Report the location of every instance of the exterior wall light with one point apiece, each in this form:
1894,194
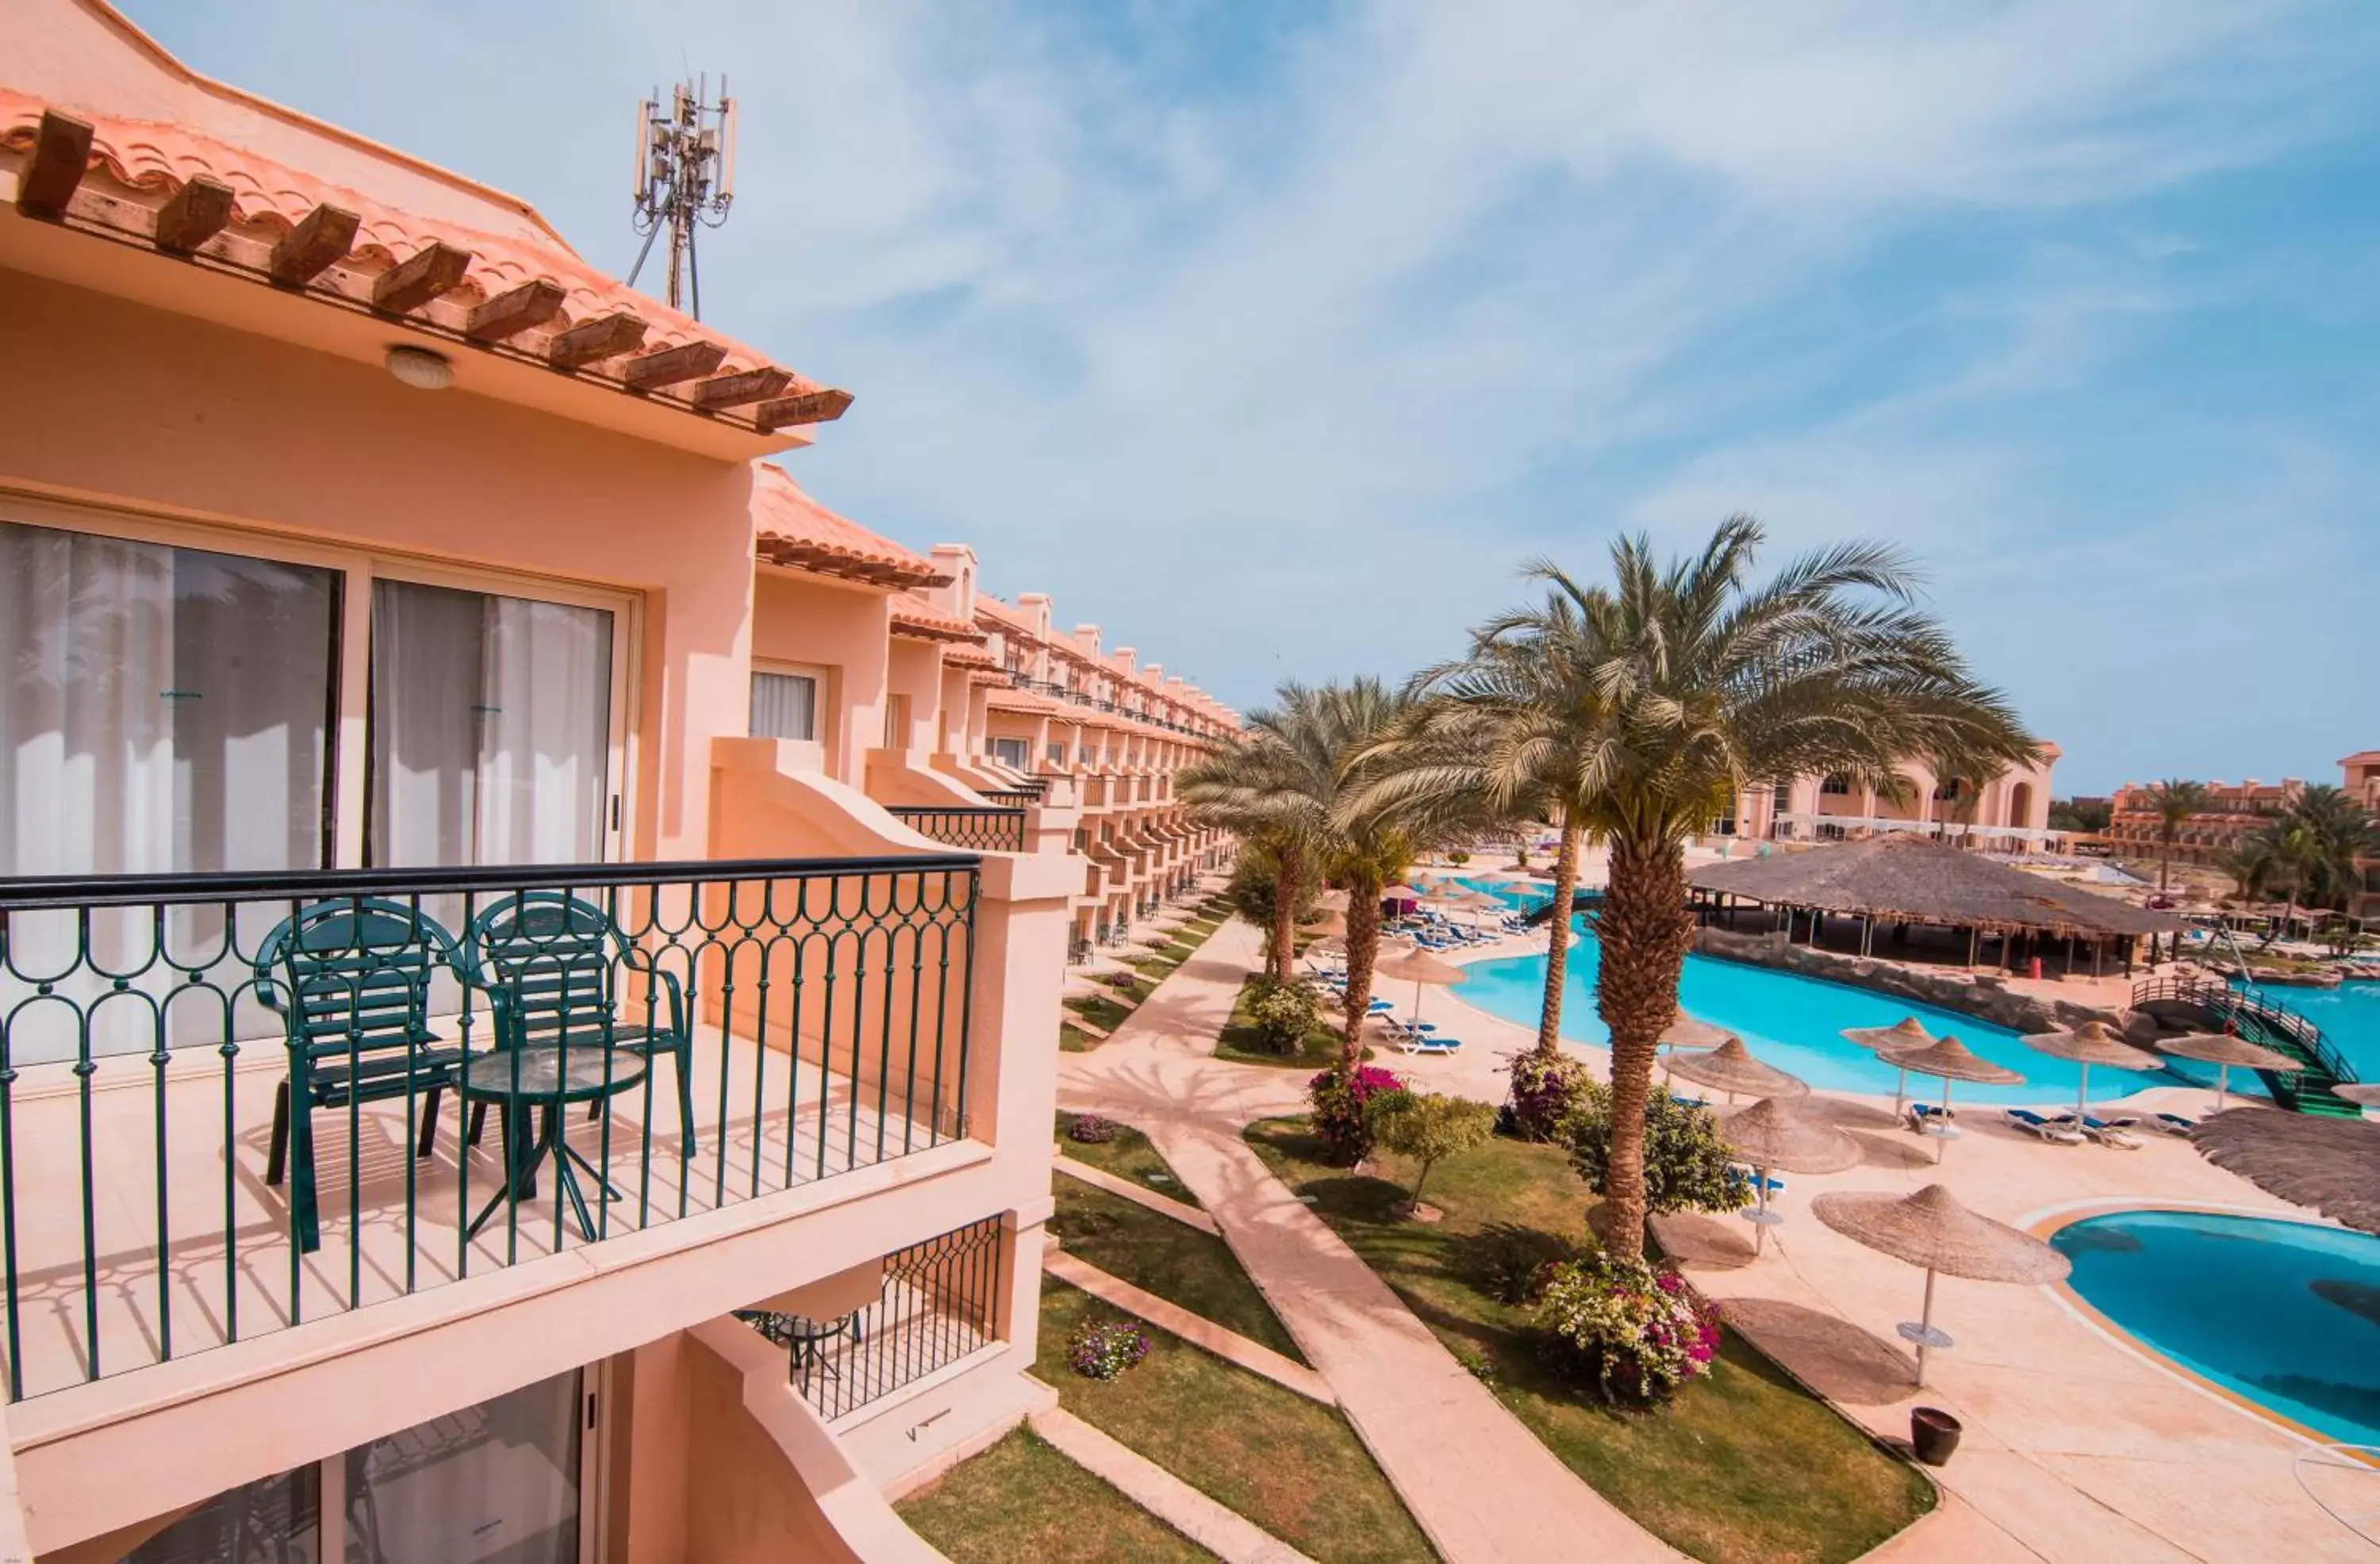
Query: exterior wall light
419,368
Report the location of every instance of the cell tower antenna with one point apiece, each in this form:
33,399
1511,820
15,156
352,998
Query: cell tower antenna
685,178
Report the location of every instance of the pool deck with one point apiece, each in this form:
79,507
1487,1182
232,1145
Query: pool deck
2078,1444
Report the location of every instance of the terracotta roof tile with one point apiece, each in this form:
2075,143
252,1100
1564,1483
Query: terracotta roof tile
792,529
150,156
914,615
967,655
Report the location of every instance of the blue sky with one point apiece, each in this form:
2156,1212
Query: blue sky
1274,336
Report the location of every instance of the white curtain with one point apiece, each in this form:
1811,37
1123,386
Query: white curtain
490,728
162,710
497,1481
784,706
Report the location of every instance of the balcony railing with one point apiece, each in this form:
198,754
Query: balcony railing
221,1095
997,830
1014,798
938,1304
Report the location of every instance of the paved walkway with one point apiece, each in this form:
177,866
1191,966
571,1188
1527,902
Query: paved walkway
1479,1483
1223,1533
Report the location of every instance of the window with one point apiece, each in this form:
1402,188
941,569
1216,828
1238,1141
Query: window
896,721
1836,786
270,1521
1014,753
1950,791
490,722
500,1480
784,706
161,709
1057,753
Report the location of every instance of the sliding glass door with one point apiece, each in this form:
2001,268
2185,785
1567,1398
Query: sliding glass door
491,729
162,710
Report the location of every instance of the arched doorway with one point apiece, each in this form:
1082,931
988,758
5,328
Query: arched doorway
2020,810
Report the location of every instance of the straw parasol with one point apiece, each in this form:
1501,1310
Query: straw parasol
1773,1133
2363,1093
1951,1060
1730,1068
1906,1033
1329,923
1333,901
1419,967
1931,1230
2224,1049
2094,1042
2332,1165
1400,892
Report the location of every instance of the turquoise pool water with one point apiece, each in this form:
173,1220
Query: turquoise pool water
2349,1015
2286,1313
1793,1023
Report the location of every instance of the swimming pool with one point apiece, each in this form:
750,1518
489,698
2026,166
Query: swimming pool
2349,1015
2283,1312
1794,1022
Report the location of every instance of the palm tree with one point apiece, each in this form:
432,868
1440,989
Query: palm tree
1631,710
2249,865
2173,801
1308,785
2313,846
1247,785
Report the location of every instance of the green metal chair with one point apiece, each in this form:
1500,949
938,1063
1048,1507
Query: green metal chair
550,964
350,980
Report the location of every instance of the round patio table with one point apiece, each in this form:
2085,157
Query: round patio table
546,1076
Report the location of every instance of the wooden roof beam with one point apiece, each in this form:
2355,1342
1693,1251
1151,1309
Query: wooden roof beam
433,269
46,180
606,337
200,210
736,390
514,311
669,365
319,240
819,407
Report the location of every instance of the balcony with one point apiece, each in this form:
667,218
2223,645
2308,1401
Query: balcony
223,1097
997,830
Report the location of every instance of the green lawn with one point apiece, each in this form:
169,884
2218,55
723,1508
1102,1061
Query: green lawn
1101,1012
1074,1039
1239,1043
1129,1155
1024,1502
1172,1259
1744,1466
1292,1465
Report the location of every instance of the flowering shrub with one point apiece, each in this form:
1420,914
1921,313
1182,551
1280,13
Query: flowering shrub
1637,1330
1544,1092
1103,1348
1089,1129
1687,1166
1283,1014
1339,1104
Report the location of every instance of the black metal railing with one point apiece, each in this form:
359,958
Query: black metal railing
2264,1022
938,1303
1014,798
220,1095
997,830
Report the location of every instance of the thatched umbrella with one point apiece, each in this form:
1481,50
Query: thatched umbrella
1773,1133
2094,1042
1329,924
1730,1068
1419,967
1931,1230
2332,1165
2224,1049
1906,1033
1952,1060
2363,1093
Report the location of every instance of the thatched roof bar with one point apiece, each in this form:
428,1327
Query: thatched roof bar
1911,879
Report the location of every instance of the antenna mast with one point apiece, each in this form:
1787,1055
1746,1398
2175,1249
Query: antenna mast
685,178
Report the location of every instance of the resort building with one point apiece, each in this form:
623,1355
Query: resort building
2006,813
424,696
2234,811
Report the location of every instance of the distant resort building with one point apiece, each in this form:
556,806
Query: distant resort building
2236,811
2006,813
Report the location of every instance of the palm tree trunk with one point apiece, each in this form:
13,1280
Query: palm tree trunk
1645,930
1558,941
1288,881
2164,863
1363,955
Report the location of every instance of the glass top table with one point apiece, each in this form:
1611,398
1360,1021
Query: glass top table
548,1077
